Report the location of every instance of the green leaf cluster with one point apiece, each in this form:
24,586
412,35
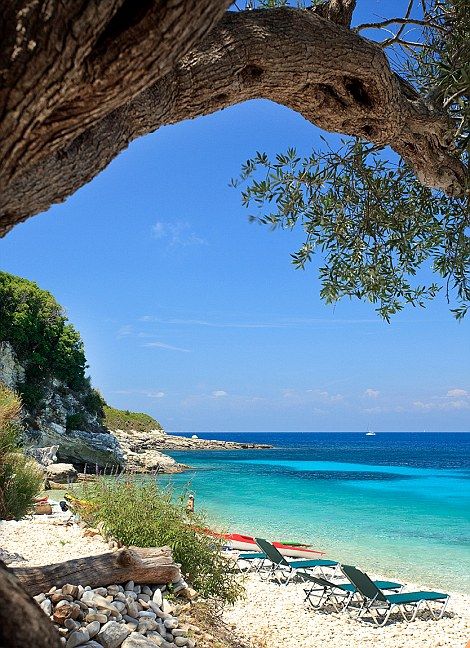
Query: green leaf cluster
44,341
138,512
372,223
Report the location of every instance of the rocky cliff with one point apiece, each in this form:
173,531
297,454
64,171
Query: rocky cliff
60,411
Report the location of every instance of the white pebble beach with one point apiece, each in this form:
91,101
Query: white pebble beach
271,615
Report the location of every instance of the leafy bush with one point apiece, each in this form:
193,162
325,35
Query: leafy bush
140,513
76,421
116,419
37,327
20,479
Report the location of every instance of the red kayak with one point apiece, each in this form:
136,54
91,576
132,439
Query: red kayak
247,543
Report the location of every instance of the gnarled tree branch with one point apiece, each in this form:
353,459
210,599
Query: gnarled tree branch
323,70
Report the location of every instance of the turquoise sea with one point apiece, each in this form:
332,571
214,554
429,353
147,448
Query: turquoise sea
395,504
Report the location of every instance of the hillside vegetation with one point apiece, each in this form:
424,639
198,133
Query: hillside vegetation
116,419
44,341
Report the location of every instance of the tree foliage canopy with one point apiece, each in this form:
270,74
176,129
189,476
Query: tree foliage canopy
364,211
46,344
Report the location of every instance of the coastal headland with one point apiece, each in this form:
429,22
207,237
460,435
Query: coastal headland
144,451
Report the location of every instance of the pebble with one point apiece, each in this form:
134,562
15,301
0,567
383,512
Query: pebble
70,624
112,634
77,638
132,624
171,623
167,607
138,641
132,610
71,590
96,616
157,597
93,628
129,586
46,605
39,598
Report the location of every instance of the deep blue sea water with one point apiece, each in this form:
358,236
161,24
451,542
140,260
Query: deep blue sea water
395,504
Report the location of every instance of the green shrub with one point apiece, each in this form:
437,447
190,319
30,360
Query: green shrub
116,419
76,421
43,339
140,513
20,478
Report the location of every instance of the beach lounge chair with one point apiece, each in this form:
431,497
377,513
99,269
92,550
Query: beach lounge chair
340,595
255,560
290,568
380,605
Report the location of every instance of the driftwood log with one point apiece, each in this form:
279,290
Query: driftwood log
22,622
152,566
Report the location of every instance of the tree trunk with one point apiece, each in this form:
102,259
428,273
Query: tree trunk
152,566
22,622
79,87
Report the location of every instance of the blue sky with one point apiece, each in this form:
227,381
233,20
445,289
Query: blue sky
192,314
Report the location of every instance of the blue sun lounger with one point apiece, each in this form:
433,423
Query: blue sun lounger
292,567
255,560
380,605
340,595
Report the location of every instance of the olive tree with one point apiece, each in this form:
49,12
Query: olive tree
81,79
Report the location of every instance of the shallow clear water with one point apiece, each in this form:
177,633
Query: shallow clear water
396,504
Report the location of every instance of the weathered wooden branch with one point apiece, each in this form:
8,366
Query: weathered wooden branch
310,61
152,566
22,622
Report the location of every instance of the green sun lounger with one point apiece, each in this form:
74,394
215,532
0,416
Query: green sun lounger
380,605
255,560
340,595
292,567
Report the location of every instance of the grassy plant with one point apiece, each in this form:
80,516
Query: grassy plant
20,479
116,419
140,513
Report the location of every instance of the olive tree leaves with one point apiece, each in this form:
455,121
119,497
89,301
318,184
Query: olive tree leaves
374,225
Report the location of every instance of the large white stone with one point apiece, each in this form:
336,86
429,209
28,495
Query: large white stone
112,634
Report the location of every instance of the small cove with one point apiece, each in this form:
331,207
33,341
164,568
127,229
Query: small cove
396,504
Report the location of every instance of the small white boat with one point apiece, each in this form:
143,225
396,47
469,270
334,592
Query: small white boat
370,433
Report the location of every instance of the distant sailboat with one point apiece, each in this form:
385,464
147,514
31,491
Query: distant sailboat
370,433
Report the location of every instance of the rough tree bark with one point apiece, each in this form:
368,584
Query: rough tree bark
22,622
152,566
124,75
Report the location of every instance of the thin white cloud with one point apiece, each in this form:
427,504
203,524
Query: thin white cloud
455,399
458,393
177,234
372,393
125,331
219,393
288,323
142,392
167,347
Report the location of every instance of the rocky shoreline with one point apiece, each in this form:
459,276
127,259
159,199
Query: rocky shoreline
144,451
